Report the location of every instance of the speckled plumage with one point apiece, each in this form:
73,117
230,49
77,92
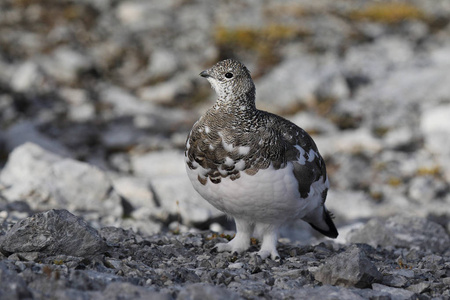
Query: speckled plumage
253,165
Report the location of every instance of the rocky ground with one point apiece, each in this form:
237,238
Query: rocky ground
97,98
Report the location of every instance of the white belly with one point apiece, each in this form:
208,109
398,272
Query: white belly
269,196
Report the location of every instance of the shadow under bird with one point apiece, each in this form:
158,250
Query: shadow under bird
255,166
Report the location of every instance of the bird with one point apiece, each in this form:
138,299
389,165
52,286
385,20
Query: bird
255,166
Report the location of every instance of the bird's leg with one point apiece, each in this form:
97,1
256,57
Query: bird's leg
269,243
241,241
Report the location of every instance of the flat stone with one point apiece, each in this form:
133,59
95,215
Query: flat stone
207,292
53,232
45,180
351,268
394,293
402,231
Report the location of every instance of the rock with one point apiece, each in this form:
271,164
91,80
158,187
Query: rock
166,170
168,92
435,127
65,64
136,190
163,63
176,195
351,268
22,132
159,163
53,232
81,109
45,180
288,94
26,76
207,292
313,123
419,288
376,60
123,290
425,189
12,286
403,138
350,205
121,135
350,141
394,293
403,231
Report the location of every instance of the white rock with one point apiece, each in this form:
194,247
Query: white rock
376,60
25,76
235,266
159,163
123,103
136,190
289,84
65,64
350,205
176,195
311,122
173,190
436,119
163,63
45,180
435,124
350,141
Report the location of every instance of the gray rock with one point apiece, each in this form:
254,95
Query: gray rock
45,180
124,290
26,131
12,286
163,63
54,232
207,292
403,231
394,293
424,189
318,293
351,268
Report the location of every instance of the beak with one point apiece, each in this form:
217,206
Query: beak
204,74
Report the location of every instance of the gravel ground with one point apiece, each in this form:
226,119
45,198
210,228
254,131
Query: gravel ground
41,262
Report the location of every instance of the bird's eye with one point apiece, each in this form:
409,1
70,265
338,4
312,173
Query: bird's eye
229,75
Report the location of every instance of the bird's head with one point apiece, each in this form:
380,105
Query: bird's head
230,79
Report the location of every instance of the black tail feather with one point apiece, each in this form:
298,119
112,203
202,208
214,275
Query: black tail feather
332,231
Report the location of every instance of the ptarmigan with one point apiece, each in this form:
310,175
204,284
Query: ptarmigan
255,166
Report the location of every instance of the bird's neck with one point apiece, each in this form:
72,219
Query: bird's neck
244,103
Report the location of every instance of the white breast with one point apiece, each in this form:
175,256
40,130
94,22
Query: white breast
269,196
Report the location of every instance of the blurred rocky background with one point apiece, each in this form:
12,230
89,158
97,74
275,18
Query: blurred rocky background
97,98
